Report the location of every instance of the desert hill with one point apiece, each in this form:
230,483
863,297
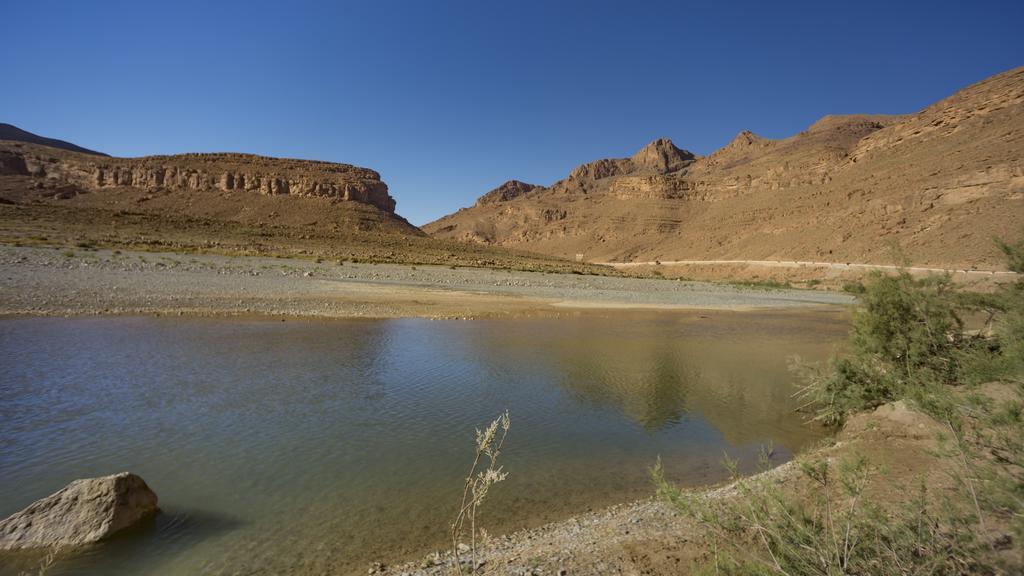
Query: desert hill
240,188
942,183
13,133
507,191
220,202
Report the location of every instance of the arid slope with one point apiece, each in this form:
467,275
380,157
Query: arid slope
941,183
12,132
227,203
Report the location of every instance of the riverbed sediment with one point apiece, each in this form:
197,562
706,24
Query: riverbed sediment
49,281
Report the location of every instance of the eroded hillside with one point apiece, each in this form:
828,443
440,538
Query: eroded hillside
227,203
941,183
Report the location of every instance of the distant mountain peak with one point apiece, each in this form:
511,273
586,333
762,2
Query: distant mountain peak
662,155
12,132
746,138
507,191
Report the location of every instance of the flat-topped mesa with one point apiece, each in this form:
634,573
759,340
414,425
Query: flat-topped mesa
505,192
219,171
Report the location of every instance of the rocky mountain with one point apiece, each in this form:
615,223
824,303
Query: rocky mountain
221,201
226,203
940,183
507,191
12,132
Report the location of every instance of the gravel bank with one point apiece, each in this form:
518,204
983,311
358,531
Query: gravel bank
646,537
46,281
652,538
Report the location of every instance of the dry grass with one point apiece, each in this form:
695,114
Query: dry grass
483,474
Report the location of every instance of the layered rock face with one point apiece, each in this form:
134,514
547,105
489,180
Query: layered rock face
197,172
941,183
651,187
659,157
82,512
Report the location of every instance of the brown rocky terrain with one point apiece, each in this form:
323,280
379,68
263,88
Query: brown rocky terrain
940,183
505,192
82,173
227,203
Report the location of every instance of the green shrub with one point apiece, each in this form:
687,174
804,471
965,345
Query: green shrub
911,325
907,336
1010,329
854,287
908,339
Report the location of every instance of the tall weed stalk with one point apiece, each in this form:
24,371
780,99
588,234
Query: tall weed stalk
483,474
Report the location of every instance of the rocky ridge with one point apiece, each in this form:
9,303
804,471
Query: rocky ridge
12,132
940,183
507,191
224,172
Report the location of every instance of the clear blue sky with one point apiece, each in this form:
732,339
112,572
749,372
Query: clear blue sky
447,99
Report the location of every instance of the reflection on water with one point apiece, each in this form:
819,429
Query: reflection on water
317,447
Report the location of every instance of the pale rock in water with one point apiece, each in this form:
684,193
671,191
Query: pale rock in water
83,512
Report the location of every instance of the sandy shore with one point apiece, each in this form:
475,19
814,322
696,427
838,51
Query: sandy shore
47,281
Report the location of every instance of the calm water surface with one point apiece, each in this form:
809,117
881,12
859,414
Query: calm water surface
312,447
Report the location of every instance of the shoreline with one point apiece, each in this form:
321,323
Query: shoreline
65,282
651,536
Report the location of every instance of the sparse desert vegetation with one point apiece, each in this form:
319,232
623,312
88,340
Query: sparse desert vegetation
483,474
842,513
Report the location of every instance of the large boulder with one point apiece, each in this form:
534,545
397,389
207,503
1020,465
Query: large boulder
82,512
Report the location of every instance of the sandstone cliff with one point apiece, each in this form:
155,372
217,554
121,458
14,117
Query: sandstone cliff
941,183
197,172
